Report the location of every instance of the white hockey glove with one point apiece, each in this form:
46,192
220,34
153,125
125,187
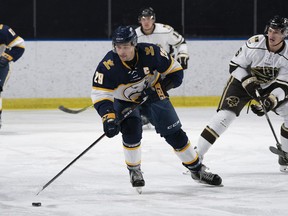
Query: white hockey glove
251,84
269,103
183,58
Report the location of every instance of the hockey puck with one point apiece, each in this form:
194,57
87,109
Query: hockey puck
36,204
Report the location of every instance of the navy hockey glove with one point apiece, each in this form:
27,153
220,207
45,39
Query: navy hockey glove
251,84
5,59
110,124
183,58
269,102
158,92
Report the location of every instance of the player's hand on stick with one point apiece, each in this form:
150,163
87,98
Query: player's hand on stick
110,125
251,84
268,102
3,61
158,92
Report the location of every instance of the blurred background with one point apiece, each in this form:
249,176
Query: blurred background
96,19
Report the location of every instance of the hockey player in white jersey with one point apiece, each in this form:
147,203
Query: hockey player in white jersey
259,67
162,35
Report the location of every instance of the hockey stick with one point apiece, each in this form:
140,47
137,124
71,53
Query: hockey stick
272,148
67,110
127,112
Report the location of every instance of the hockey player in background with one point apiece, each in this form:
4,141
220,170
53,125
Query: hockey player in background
259,67
162,35
11,49
128,74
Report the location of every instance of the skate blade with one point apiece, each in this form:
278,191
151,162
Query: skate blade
139,190
208,185
284,169
187,172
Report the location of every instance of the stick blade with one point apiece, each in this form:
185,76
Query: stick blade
277,151
67,110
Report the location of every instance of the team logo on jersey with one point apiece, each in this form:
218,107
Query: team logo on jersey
133,91
253,40
232,101
265,74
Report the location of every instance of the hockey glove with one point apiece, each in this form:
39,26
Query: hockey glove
110,126
183,58
158,92
269,103
251,84
5,59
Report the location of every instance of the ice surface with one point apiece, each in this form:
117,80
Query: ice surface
36,145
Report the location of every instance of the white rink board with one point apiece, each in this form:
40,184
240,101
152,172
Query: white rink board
64,69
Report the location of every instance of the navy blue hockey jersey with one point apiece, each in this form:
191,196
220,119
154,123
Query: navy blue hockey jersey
11,43
113,78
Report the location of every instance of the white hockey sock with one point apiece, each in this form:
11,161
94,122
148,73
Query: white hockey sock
132,153
217,126
187,154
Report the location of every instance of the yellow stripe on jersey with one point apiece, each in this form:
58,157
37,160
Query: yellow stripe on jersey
102,99
102,89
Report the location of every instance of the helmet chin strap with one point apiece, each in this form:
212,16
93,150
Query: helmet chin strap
278,43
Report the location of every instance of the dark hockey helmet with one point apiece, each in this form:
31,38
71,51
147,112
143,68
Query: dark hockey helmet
278,22
124,34
147,12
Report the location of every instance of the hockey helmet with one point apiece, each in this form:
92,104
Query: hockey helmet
147,12
124,34
278,22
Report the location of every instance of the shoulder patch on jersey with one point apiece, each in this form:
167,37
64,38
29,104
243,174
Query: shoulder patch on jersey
108,64
149,50
162,28
254,39
167,26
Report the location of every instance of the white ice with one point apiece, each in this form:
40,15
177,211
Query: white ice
35,145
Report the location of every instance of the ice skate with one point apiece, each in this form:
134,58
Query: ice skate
136,178
283,162
204,177
0,121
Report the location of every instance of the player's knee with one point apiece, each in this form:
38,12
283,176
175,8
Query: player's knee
131,129
177,140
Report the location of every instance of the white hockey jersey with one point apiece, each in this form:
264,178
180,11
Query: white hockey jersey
254,58
166,37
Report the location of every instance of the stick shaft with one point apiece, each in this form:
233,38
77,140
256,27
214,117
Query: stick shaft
87,149
268,120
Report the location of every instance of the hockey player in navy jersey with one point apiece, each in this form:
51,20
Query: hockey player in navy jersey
128,74
259,66
11,49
